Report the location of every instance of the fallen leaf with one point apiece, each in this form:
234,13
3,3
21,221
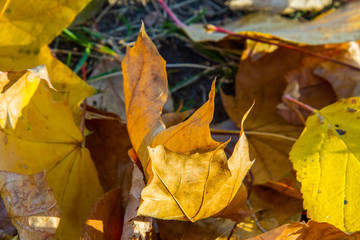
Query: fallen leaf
108,144
30,204
308,87
207,182
106,218
285,7
305,231
345,81
28,27
341,25
274,208
265,87
144,99
209,228
6,226
46,137
111,96
326,160
135,226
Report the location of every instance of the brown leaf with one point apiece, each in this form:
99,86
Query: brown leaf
108,144
144,99
111,97
134,226
106,218
6,226
305,231
345,81
274,208
30,204
266,88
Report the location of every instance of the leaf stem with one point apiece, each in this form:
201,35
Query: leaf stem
237,132
171,14
300,104
82,123
213,28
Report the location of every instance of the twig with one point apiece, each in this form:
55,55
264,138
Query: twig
212,28
168,65
232,231
300,104
237,132
171,14
82,123
255,218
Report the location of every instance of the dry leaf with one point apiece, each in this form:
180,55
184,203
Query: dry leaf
341,25
46,137
108,144
106,218
207,182
144,99
306,231
30,204
285,7
345,81
265,87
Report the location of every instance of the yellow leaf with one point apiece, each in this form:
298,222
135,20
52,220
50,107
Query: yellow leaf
188,174
46,137
27,27
326,158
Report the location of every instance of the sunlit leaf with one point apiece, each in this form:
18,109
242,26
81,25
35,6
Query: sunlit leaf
46,137
326,158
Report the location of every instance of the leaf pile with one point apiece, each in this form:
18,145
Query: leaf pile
165,174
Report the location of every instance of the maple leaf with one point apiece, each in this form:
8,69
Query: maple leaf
27,28
207,182
30,204
266,88
326,158
46,137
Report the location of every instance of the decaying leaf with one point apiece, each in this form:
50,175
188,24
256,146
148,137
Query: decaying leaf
135,227
188,181
27,28
326,158
7,228
306,231
106,218
30,204
46,137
